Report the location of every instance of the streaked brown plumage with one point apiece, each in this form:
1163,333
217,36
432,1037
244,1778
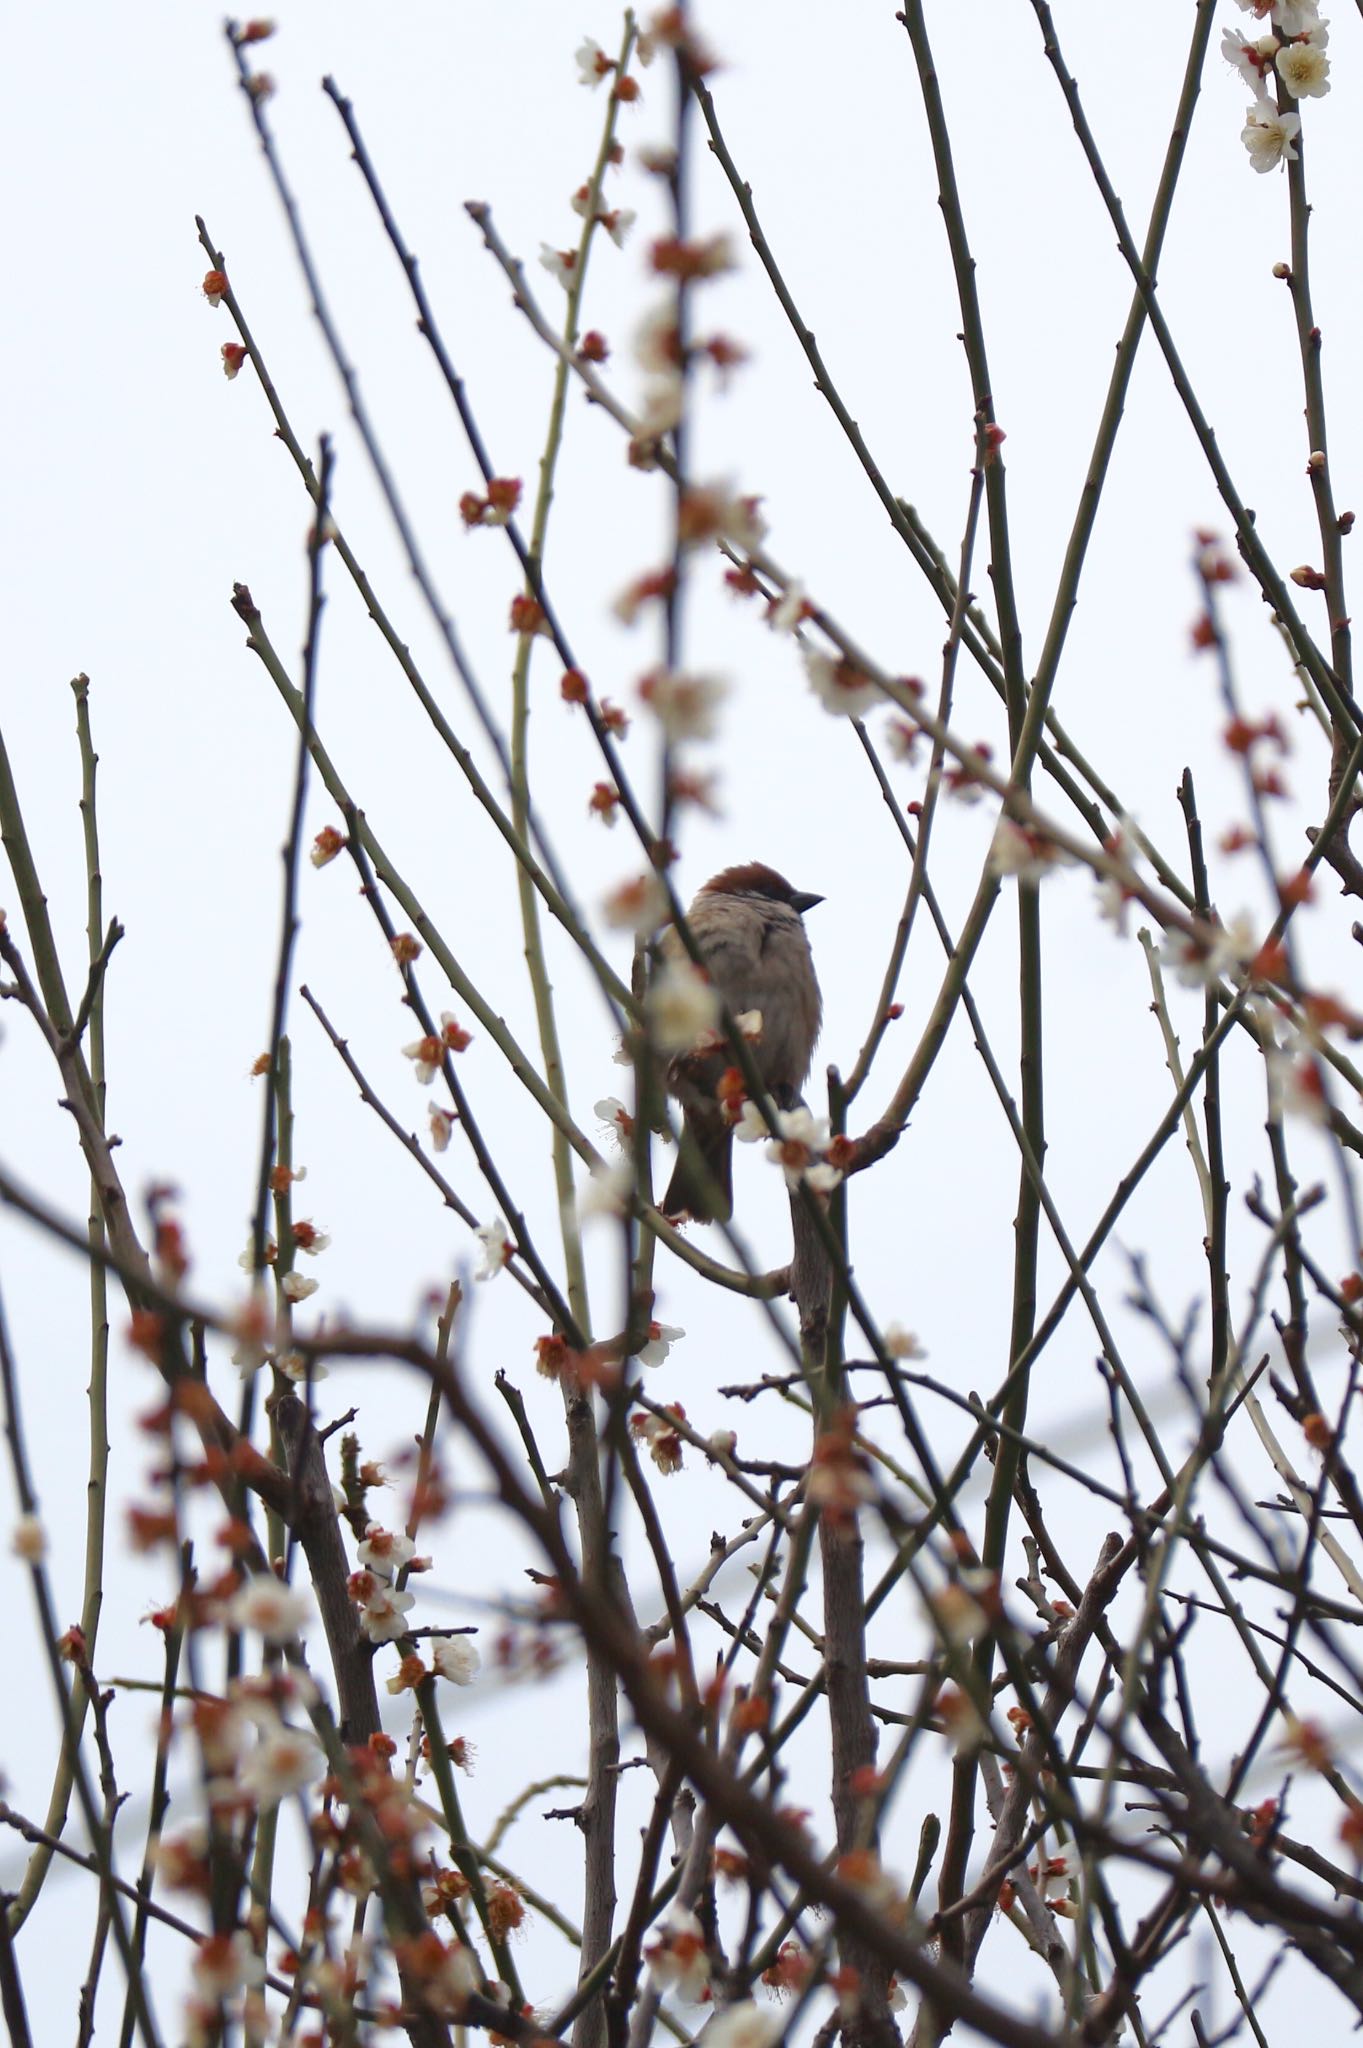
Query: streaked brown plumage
748,923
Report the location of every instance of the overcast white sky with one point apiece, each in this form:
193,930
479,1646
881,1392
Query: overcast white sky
140,484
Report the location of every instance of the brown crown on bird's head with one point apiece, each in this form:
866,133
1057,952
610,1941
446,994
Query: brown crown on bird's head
755,878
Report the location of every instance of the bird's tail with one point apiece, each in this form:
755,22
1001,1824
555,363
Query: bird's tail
701,1186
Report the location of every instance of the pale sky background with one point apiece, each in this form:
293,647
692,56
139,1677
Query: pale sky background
141,484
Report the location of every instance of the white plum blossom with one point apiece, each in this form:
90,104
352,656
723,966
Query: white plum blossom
275,1611
442,1126
685,706
801,1140
1296,18
425,1054
901,1343
1304,69
661,1338
656,347
717,510
224,1963
1199,963
296,1367
844,690
681,1006
28,1539
560,263
1054,1875
496,1248
617,222
752,1126
297,1286
958,1615
381,1616
455,1658
639,906
1269,136
1027,855
606,1191
1295,1086
592,63
1250,59
744,2025
384,1551
283,1761
677,1960
786,615
617,1119
661,405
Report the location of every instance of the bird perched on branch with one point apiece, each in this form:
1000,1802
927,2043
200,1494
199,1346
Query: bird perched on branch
748,924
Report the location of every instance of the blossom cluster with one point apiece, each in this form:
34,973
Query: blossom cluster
1292,58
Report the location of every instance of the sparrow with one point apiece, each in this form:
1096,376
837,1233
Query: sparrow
748,924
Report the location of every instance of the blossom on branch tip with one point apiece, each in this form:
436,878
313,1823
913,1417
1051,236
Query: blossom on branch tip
455,1658
1269,136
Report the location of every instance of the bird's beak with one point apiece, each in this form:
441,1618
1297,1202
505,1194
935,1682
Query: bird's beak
803,900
